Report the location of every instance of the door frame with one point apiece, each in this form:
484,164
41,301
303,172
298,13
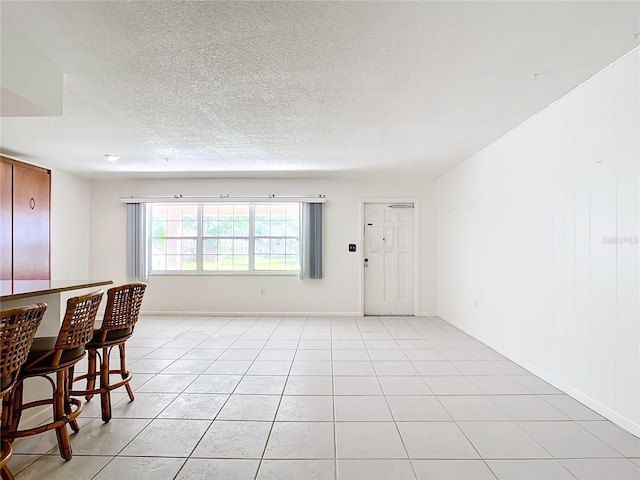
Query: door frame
416,246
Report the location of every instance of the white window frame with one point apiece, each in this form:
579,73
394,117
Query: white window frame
200,237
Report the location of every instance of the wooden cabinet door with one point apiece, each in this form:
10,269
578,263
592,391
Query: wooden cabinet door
6,215
31,199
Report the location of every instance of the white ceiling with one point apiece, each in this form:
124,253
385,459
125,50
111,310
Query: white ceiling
294,88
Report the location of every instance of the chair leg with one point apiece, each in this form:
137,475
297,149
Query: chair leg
6,473
16,406
75,426
123,369
91,373
7,403
7,450
105,392
59,412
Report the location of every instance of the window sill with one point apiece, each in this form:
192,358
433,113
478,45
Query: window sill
224,274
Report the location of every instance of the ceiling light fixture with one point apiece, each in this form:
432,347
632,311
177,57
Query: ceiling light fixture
111,158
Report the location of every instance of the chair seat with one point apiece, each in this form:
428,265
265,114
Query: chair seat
42,355
5,382
113,336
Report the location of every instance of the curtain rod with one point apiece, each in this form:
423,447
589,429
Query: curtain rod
272,198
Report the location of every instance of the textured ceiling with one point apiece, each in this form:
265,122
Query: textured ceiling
271,88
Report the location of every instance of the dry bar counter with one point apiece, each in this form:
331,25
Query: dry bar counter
54,293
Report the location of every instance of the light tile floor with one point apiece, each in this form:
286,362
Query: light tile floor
330,398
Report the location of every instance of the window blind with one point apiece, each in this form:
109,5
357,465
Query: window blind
312,241
136,242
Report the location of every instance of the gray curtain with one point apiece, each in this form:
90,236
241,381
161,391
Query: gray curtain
136,242
311,255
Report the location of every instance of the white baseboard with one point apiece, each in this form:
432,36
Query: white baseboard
594,405
182,313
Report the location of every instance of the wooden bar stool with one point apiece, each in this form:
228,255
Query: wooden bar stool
57,355
7,451
120,317
17,329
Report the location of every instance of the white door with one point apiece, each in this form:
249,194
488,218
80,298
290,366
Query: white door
388,259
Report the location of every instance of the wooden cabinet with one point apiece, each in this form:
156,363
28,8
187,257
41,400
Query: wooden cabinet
26,215
6,215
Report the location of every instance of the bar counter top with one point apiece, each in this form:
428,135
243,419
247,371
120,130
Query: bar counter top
18,289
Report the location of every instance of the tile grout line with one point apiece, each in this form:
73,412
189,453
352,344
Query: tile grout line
395,423
275,415
335,329
177,396
333,405
136,436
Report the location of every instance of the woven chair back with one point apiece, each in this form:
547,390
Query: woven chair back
17,331
123,306
79,319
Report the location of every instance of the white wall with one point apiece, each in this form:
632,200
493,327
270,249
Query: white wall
70,196
524,259
339,293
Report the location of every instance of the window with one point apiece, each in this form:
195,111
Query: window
224,237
